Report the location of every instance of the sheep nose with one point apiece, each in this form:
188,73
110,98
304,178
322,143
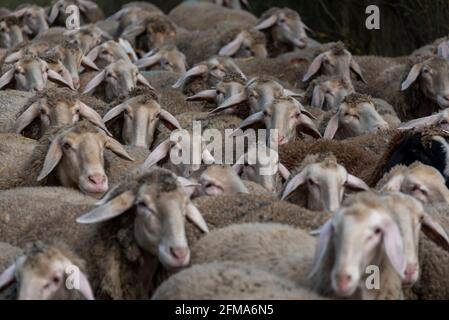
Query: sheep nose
281,139
39,87
76,82
97,179
343,282
179,252
410,273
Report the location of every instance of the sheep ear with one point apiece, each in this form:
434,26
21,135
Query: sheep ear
85,288
169,120
194,215
148,61
421,122
52,158
93,54
306,125
188,186
128,49
158,154
7,77
394,184
283,171
19,13
231,102
411,77
117,148
267,23
393,244
314,67
207,157
67,76
233,46
54,12
87,62
317,97
13,57
195,71
56,77
141,79
356,183
95,82
252,119
26,118
434,231
132,31
109,210
443,50
294,184
357,70
325,234
208,95
332,127
114,112
8,276
292,94
91,115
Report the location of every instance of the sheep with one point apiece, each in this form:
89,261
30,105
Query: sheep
12,103
229,281
120,78
41,273
258,92
111,51
337,269
284,29
152,32
283,117
206,73
30,73
186,16
33,18
141,115
355,116
440,119
437,47
327,93
423,182
167,58
337,61
55,107
87,37
74,153
427,145
11,33
323,182
416,89
89,11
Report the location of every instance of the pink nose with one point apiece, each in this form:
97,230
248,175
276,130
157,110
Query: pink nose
343,282
39,87
281,139
76,82
179,253
410,272
97,179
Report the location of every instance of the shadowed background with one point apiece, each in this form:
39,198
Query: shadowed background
405,24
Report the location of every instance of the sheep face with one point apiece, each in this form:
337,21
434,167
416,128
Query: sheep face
246,44
360,233
261,93
329,94
354,119
325,182
10,34
336,62
141,117
108,52
87,38
161,208
432,77
34,18
168,59
420,181
30,74
76,154
285,26
42,275
216,180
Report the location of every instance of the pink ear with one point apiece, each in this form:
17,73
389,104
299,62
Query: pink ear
86,61
208,95
231,102
394,246
317,98
421,122
233,46
357,70
267,23
95,82
252,119
326,232
158,154
93,54
7,277
332,127
314,67
148,61
294,183
85,287
412,76
7,77
356,183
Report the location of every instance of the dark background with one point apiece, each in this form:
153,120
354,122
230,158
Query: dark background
405,24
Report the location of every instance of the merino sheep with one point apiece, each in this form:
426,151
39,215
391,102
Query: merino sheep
33,17
327,93
229,281
167,58
111,51
11,33
323,181
89,11
42,271
440,119
87,37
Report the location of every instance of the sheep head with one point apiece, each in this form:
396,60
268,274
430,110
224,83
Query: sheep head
220,179
161,207
87,37
11,33
33,18
329,92
111,51
167,58
247,43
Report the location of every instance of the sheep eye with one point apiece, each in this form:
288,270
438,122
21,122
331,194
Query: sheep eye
377,230
282,20
66,146
56,280
266,114
297,115
77,111
311,182
425,70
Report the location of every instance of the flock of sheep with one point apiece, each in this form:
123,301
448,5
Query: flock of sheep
86,116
